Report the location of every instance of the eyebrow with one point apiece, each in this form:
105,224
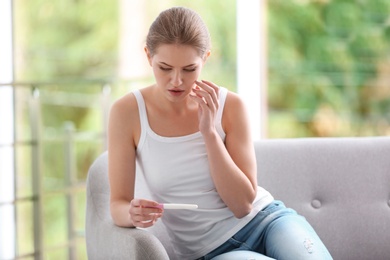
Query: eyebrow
190,65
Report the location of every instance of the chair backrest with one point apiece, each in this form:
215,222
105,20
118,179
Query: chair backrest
341,185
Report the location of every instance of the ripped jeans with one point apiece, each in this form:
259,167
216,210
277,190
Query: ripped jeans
277,232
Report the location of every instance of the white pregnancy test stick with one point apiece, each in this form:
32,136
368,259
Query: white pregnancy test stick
177,206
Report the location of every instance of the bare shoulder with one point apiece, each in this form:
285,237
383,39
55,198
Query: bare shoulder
125,108
233,100
124,118
234,110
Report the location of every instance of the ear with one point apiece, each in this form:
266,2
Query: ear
148,55
206,55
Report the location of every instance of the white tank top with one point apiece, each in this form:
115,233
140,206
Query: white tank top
176,170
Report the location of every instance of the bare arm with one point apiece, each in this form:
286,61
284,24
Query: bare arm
233,164
123,131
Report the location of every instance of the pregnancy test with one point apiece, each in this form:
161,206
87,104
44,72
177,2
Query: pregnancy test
177,206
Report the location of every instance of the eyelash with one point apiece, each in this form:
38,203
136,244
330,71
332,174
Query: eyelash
164,69
186,70
190,70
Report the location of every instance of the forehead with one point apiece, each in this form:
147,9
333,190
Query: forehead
177,54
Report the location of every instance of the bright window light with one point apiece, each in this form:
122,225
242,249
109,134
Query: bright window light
251,76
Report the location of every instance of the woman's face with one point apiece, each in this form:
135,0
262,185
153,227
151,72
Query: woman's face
175,68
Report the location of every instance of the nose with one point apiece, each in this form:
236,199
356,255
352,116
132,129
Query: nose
176,79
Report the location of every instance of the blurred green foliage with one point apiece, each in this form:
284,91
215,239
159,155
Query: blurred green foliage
329,63
65,39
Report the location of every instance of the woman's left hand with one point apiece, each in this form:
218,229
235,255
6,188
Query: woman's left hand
206,95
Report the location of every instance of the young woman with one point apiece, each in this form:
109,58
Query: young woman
191,141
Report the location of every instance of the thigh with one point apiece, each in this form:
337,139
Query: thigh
290,236
250,236
241,255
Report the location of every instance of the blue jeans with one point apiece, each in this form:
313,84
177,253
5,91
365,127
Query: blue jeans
277,232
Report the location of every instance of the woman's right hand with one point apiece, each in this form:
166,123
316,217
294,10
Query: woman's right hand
144,213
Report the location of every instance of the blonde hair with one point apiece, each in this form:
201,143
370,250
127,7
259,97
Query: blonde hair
179,25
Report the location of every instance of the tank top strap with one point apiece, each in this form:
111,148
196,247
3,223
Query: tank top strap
218,119
143,116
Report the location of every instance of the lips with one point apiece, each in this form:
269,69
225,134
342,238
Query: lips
176,92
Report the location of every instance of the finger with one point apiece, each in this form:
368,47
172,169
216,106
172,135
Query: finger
208,99
149,223
208,85
144,203
203,96
146,218
210,88
144,224
141,207
145,221
214,86
146,212
199,99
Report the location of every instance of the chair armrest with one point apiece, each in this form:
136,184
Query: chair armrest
108,241
104,239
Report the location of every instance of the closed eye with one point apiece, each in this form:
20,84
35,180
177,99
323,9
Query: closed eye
186,70
190,70
165,69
